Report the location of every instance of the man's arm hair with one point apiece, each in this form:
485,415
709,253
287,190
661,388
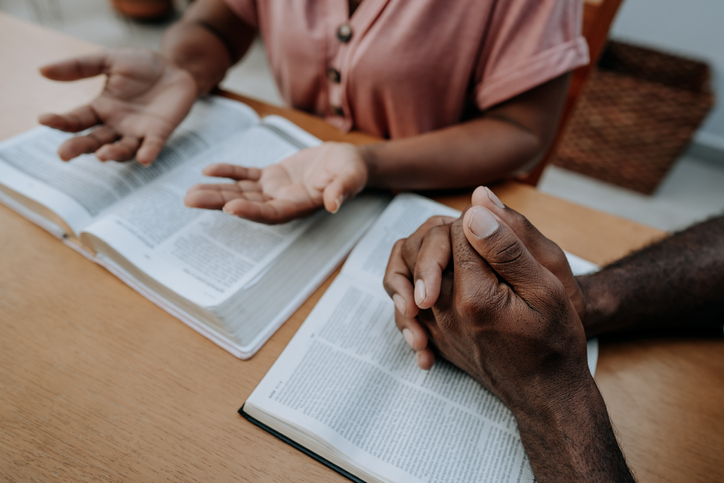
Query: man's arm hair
572,439
675,283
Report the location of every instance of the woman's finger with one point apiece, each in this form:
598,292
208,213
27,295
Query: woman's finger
150,149
79,119
343,187
77,68
87,144
123,150
232,171
216,196
272,211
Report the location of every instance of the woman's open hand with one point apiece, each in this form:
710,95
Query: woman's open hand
144,99
322,176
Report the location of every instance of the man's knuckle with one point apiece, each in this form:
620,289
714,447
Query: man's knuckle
407,250
445,323
550,294
429,223
439,230
398,246
508,251
400,322
466,264
456,228
523,222
387,284
470,304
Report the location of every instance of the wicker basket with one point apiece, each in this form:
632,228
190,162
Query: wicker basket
636,115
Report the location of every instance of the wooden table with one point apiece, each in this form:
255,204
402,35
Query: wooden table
96,383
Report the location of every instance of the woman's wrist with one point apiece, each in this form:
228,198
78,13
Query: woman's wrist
174,69
370,156
191,48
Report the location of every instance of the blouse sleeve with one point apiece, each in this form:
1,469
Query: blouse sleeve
528,43
246,10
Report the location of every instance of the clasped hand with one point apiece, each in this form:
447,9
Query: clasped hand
493,296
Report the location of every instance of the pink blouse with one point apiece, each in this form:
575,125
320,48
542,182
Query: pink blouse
399,68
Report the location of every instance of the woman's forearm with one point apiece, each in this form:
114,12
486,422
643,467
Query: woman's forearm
506,139
207,40
470,154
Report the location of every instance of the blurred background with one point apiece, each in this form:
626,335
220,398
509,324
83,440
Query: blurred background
656,94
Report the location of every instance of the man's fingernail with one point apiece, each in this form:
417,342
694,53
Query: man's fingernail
496,201
418,358
420,293
408,337
228,210
399,303
482,222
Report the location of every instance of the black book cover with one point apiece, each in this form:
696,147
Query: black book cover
301,448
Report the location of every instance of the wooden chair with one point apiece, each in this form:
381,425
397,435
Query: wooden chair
598,16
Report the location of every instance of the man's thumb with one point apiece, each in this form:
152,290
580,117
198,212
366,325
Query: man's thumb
501,248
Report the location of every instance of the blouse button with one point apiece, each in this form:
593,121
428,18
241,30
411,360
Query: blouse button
336,110
334,75
344,32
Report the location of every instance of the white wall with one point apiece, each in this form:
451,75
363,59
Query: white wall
693,28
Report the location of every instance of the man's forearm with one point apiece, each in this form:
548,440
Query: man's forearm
570,438
208,40
506,139
675,283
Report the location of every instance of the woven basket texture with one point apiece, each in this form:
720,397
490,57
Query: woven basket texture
637,113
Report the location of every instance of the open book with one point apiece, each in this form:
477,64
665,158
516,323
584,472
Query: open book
347,391
232,280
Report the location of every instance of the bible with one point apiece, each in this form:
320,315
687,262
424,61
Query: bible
347,390
232,280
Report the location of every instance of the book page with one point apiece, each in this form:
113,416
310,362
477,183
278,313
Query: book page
290,131
579,266
203,255
349,377
52,226
82,189
368,261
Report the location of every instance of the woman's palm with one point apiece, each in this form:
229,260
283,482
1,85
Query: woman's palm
145,98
